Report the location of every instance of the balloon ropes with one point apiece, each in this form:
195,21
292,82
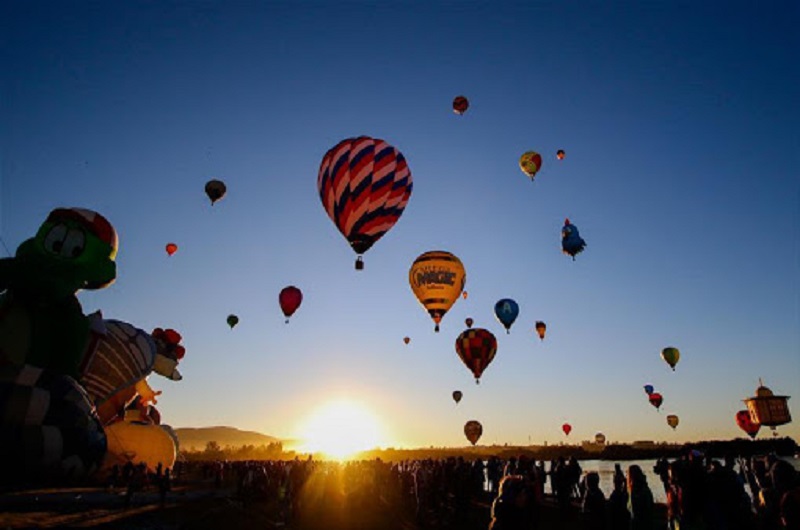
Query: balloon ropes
364,185
437,279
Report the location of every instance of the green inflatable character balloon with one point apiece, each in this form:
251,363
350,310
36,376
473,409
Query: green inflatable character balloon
41,320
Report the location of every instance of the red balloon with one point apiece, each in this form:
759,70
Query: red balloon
460,105
171,248
746,423
567,428
476,348
656,399
290,299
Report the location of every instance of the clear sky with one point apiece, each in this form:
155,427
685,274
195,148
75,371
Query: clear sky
680,126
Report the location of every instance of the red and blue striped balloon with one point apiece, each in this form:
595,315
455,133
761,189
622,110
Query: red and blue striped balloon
364,184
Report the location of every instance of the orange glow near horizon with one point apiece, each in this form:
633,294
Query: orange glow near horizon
340,430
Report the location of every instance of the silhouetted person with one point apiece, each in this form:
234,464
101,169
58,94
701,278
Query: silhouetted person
641,499
514,508
618,515
594,503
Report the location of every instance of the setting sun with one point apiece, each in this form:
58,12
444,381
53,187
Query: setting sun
340,429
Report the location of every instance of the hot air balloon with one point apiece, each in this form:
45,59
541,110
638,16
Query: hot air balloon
171,248
460,105
232,320
468,322
364,184
671,356
672,421
648,389
473,431
560,154
406,339
571,241
464,295
437,279
541,327
506,311
215,189
600,438
457,396
138,442
290,299
476,348
746,423
768,409
567,428
530,162
656,400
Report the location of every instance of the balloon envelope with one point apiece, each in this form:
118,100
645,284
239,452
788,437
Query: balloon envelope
506,310
460,105
468,321
473,431
437,279
648,389
671,356
600,438
567,428
560,154
406,339
672,420
476,347
290,299
364,185
530,162
215,189
746,423
656,399
571,241
457,395
541,328
171,248
232,320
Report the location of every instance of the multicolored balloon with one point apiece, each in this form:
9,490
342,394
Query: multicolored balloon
656,400
457,395
560,154
671,356
364,185
530,163
460,105
473,431
171,248
232,320
746,423
290,299
672,421
571,241
506,310
541,328
567,428
476,348
215,189
437,279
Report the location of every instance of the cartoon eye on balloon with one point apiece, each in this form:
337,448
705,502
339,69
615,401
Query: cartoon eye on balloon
171,248
364,185
437,279
460,105
476,348
215,189
290,299
506,311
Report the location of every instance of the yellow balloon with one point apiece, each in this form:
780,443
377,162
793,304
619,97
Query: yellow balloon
672,420
530,162
437,279
135,442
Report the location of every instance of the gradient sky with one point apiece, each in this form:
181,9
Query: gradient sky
680,124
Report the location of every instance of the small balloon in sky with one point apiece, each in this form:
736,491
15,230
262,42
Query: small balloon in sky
457,396
506,311
571,241
567,428
473,431
215,189
541,328
406,339
560,154
468,321
232,320
530,163
672,421
671,356
171,248
656,399
290,299
460,105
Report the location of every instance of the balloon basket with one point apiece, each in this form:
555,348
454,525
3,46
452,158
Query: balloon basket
359,264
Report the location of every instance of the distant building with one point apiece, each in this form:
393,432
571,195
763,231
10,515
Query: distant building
592,447
644,444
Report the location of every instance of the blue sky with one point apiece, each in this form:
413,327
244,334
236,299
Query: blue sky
680,125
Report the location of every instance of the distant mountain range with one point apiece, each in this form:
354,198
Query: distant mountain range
195,439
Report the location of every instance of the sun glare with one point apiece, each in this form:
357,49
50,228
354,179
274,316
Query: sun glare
340,429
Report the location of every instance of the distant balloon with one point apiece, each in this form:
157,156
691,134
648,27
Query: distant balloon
364,185
648,389
473,431
460,105
406,340
464,295
215,189
746,423
567,428
672,421
437,279
476,348
506,311
232,320
457,396
541,327
560,154
530,163
600,438
290,299
671,356
571,241
171,248
468,322
656,400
